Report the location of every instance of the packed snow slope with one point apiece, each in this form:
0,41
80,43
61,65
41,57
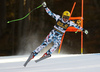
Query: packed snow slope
56,63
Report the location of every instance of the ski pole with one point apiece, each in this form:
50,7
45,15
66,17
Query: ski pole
78,30
25,15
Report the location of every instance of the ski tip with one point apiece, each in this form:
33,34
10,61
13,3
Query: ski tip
24,65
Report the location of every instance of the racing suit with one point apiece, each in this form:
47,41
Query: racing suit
56,33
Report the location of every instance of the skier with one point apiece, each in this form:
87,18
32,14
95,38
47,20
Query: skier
55,35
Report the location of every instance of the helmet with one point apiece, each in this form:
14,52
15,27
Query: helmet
66,14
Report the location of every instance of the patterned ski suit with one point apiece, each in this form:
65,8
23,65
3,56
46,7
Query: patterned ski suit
56,33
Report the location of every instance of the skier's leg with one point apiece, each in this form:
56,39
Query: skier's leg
53,48
39,48
47,41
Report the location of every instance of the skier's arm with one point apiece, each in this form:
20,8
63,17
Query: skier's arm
50,12
78,27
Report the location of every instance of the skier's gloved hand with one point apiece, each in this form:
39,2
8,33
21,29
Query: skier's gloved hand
86,32
44,4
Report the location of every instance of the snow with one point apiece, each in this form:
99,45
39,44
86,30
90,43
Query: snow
56,63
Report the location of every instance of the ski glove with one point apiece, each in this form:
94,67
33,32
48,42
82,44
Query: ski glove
86,32
44,4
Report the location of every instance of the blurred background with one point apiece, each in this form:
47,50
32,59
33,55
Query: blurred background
24,36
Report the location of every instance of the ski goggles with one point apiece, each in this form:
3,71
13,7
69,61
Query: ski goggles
66,17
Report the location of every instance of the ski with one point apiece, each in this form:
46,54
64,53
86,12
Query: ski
30,57
42,58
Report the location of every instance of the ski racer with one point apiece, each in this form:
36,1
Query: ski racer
55,35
